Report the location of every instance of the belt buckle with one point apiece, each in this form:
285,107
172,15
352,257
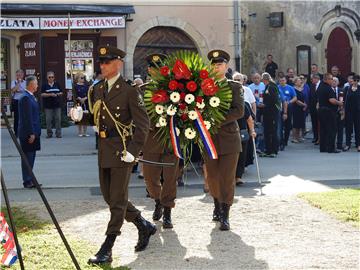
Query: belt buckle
102,134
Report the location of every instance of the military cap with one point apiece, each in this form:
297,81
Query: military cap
155,58
218,56
110,52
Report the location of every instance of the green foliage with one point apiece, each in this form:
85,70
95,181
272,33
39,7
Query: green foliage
43,249
344,204
214,115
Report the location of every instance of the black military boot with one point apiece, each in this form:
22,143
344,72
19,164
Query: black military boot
158,212
104,255
167,218
146,229
216,212
224,217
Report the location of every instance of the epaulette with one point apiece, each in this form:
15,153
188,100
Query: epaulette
144,84
101,81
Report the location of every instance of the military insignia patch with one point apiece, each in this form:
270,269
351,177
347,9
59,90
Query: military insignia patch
155,58
103,51
215,54
141,101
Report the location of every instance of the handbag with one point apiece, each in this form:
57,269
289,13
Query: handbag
244,134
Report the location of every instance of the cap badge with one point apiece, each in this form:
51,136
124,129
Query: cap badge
215,54
155,58
103,51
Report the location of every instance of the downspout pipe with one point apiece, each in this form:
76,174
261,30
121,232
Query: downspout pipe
237,37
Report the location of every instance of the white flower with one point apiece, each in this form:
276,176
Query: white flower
162,122
214,102
171,110
192,115
177,131
157,124
207,124
189,98
159,109
175,97
200,105
190,133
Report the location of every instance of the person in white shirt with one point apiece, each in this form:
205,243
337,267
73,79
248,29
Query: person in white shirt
248,94
18,87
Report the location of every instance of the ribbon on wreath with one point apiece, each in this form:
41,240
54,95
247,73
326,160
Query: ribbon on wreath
175,139
205,136
8,243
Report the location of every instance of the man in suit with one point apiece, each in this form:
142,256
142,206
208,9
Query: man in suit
29,129
340,122
328,105
118,108
313,100
164,194
221,171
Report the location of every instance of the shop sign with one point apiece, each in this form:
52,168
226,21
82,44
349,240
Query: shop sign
61,23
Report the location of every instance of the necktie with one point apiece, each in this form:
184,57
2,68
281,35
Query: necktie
106,88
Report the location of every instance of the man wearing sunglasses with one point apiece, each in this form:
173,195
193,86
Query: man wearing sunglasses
51,94
119,107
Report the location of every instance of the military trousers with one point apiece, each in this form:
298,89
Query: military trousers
221,177
166,192
114,184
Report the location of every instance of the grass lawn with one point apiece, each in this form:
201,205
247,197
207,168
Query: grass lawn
344,204
42,248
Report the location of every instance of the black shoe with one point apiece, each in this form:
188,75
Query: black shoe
216,212
334,151
180,182
314,141
140,176
282,147
29,185
48,136
167,224
158,212
145,231
224,217
346,148
104,255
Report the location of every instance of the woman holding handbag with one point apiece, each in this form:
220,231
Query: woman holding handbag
80,93
246,125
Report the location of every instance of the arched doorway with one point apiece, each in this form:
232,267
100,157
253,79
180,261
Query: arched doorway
339,51
160,39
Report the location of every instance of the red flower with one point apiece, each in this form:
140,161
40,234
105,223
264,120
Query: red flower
181,86
182,95
204,74
191,86
184,117
181,70
182,106
160,96
173,85
199,99
208,87
164,70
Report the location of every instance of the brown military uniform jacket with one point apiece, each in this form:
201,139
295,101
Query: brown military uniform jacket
228,140
125,104
152,144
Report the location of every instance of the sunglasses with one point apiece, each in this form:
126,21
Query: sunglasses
50,77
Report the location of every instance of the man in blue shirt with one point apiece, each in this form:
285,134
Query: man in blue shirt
17,90
51,94
288,98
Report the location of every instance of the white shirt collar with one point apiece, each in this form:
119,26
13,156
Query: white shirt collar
111,81
29,92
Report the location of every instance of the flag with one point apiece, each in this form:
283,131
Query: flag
8,243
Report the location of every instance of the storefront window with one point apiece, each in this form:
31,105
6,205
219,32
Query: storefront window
5,83
81,60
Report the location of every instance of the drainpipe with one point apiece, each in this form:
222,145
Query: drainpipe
237,37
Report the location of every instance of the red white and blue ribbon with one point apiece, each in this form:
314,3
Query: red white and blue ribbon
175,139
8,243
205,136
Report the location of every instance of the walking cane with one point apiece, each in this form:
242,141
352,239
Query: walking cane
257,165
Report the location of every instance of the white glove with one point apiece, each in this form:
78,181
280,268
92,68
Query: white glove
95,129
128,157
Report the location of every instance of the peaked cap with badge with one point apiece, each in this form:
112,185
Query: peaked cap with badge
110,53
155,59
218,56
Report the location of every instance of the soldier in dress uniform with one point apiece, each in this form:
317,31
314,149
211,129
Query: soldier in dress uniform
118,108
221,171
163,193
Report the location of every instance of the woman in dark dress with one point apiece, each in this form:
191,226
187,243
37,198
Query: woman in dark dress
352,113
80,93
298,111
247,132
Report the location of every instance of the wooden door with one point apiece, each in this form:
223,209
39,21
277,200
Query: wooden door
339,52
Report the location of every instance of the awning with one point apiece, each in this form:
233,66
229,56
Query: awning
59,9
